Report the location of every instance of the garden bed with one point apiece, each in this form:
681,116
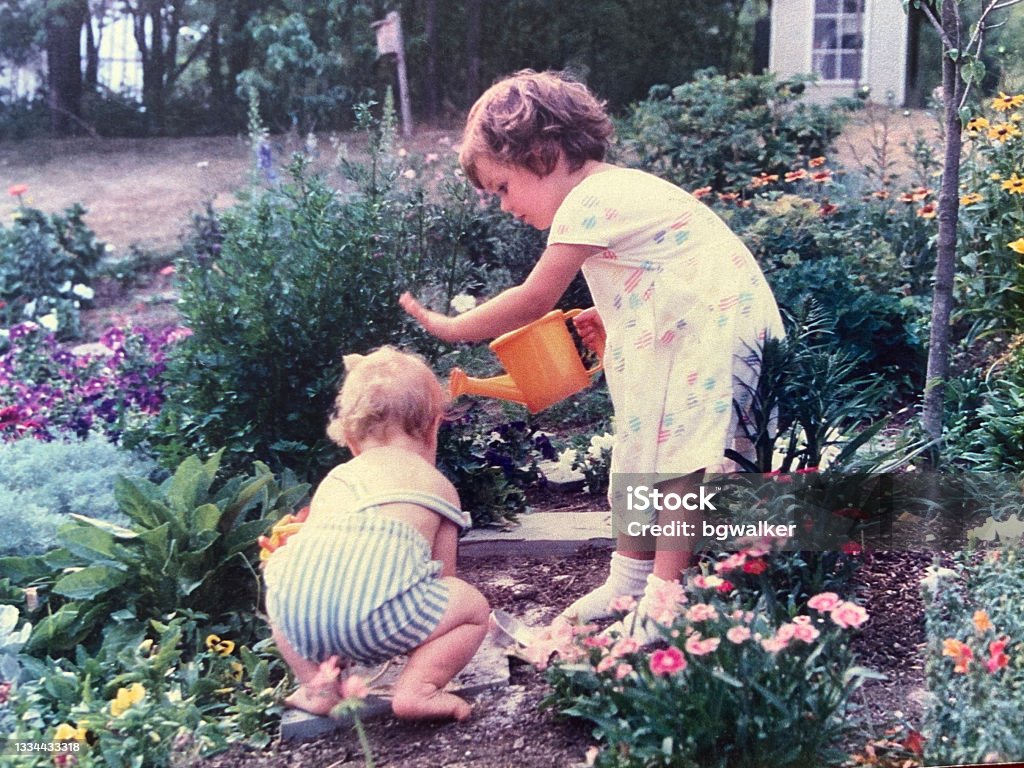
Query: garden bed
509,726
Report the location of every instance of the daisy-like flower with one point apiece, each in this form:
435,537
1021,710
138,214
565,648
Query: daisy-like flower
796,175
928,211
971,198
763,180
1003,132
816,162
1004,102
977,124
1014,185
1017,246
820,177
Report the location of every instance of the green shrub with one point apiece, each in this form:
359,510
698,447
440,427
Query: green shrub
974,668
42,483
720,132
47,265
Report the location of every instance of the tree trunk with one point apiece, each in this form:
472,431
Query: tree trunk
64,63
432,98
474,17
945,261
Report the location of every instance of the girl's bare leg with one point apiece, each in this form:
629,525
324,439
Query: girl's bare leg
419,693
319,688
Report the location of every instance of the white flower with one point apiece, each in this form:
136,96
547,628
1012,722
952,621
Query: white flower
49,321
403,152
30,309
410,174
64,287
109,248
566,459
494,437
203,164
463,302
83,291
431,157
934,575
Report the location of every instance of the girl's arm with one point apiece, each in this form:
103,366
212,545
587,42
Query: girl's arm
512,308
446,547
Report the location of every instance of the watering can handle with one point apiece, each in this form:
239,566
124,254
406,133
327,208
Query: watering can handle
569,315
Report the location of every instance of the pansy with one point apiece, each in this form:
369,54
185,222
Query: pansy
126,698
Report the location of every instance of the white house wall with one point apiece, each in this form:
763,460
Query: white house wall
885,49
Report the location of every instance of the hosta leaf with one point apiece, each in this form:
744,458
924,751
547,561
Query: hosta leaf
89,582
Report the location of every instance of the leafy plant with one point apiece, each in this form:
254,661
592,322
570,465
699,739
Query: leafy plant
42,483
735,686
190,545
47,265
720,132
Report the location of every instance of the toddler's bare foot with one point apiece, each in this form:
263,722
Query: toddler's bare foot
321,693
427,702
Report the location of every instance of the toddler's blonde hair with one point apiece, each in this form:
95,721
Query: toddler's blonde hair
529,118
386,390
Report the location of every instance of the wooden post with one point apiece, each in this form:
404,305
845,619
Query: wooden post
389,40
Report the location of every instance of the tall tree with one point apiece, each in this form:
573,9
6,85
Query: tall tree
962,67
63,21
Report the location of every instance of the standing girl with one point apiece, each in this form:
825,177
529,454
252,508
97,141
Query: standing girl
681,307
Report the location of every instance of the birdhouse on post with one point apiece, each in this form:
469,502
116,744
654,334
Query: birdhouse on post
389,41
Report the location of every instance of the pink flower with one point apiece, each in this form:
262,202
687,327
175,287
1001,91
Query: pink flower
848,615
997,659
354,687
773,644
785,633
606,663
697,646
597,641
731,563
667,661
702,612
700,581
622,604
804,632
726,587
755,567
665,602
17,190
168,270
801,619
622,670
825,601
738,634
624,647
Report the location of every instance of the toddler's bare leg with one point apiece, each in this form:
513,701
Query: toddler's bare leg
419,692
319,684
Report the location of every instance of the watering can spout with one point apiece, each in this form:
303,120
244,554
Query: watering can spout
501,387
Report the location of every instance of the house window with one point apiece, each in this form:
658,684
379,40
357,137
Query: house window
838,39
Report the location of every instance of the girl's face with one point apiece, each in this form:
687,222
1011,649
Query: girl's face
530,198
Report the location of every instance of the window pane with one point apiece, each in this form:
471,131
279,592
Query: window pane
850,66
825,65
853,6
824,34
826,6
849,34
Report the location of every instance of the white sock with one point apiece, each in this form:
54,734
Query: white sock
635,624
626,576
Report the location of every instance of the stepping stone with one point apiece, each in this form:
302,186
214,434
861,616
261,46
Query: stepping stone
560,477
488,670
541,534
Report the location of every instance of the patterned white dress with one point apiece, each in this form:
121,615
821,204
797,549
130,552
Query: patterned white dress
686,309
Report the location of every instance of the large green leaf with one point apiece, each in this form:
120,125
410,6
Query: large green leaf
89,582
22,570
188,486
92,544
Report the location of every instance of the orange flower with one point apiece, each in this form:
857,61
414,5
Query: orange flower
763,180
971,198
816,162
17,190
1003,132
960,653
728,197
921,193
881,194
701,192
928,211
981,621
1004,103
796,175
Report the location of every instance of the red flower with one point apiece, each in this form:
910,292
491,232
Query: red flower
9,416
997,659
827,209
755,567
17,190
852,548
796,175
726,587
914,743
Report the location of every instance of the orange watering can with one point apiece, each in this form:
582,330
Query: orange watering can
542,364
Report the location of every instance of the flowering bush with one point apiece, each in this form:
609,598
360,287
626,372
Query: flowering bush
47,265
733,686
975,671
48,390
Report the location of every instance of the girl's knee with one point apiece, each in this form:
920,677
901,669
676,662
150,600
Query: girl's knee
469,600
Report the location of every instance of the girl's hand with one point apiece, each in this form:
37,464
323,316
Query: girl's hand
434,323
590,327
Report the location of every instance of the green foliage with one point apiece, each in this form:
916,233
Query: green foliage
190,545
721,132
736,686
42,483
153,695
973,707
47,265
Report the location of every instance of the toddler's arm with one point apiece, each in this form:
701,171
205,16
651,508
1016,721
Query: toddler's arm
512,308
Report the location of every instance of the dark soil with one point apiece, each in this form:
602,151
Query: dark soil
510,729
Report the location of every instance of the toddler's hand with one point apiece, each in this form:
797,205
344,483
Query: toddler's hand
590,327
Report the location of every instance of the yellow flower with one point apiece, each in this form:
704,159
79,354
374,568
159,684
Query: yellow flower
977,124
218,646
1017,245
67,732
1003,132
971,198
1014,185
995,176
126,698
237,671
1004,103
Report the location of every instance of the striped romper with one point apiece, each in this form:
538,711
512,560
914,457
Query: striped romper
358,584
